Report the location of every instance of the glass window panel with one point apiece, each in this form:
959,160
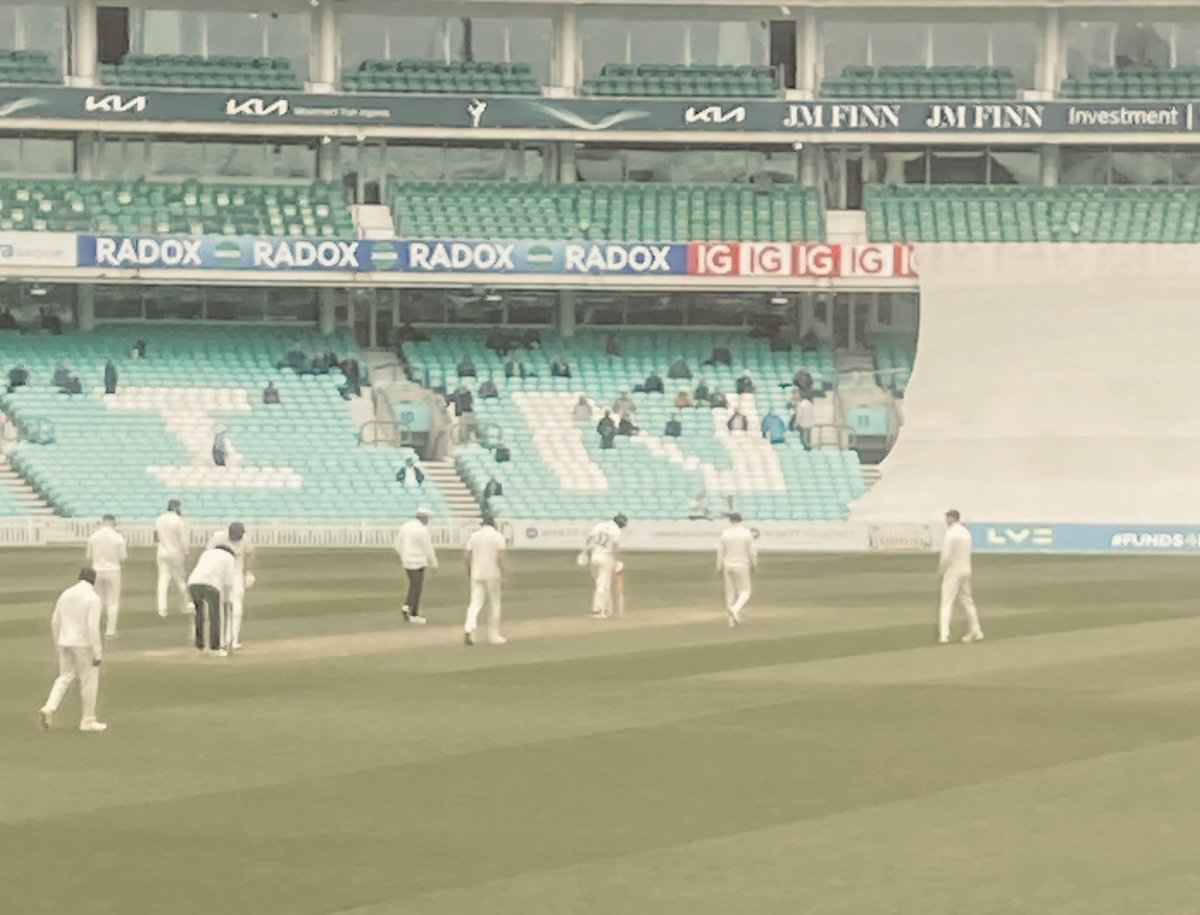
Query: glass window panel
603,42
45,29
1083,166
114,302
1014,166
531,41
424,306
416,163
290,304
235,160
424,37
235,34
1089,44
361,38
1185,167
10,155
1143,44
719,310
960,43
656,310
782,166
1140,167
168,157
599,308
120,158
1015,45
293,160
599,163
899,166
529,165
844,44
8,27
532,307
174,303
898,43
235,304
47,156
728,43
171,32
474,164
288,36
656,42
1187,44
957,166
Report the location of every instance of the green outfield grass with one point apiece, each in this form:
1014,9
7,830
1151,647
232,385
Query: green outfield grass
823,758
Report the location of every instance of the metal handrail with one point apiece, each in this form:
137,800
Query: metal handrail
400,433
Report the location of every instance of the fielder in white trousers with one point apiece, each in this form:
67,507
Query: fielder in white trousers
955,567
75,626
485,592
76,664
737,587
172,575
603,569
108,587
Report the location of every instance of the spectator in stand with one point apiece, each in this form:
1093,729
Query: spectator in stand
295,360
560,369
73,385
61,374
492,490
462,400
502,454
531,339
683,400
804,421
698,510
626,426
410,474
321,363
582,413
653,383
488,390
7,321
809,341
515,368
353,372
271,394
139,350
612,346
745,384
774,429
720,356
701,394
803,382
624,406
466,367
737,421
679,369
674,427
220,448
18,377
718,399
606,429
110,377
51,323
497,342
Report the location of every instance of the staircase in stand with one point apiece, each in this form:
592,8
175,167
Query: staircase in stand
444,476
21,491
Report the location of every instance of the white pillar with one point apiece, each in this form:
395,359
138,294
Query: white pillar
325,48
325,310
808,77
569,69
85,303
83,43
566,162
566,312
85,155
1050,166
1051,50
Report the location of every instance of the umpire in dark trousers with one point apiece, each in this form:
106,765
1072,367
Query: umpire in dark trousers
415,548
210,586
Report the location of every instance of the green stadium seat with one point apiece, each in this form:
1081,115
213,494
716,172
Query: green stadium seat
678,80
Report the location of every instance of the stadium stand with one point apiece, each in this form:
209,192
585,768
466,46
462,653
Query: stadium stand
432,76
894,358
189,207
192,71
900,82
127,453
10,507
560,471
705,80
1133,83
991,213
624,212
27,67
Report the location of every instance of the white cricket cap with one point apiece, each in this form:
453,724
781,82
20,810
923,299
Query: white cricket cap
424,513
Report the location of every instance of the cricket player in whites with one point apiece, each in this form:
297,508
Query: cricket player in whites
234,538
75,626
603,551
105,553
172,536
737,555
485,554
955,569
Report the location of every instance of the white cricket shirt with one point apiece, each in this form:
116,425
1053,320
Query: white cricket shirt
737,547
604,539
486,546
76,618
956,551
106,550
215,568
241,548
414,546
172,533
